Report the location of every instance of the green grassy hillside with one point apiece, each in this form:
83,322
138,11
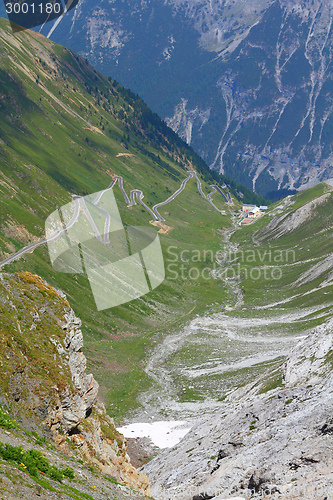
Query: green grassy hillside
65,130
293,243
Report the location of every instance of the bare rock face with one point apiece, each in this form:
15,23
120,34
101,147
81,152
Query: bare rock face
274,444
43,376
108,449
309,361
73,408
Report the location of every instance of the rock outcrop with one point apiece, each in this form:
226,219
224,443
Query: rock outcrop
73,407
44,379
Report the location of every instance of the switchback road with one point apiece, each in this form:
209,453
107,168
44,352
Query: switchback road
135,194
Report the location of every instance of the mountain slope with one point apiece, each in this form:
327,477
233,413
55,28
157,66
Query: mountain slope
68,131
247,84
45,387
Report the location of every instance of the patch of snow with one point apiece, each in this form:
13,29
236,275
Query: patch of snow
164,434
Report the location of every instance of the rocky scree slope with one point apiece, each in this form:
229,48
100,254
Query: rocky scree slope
44,382
267,441
247,84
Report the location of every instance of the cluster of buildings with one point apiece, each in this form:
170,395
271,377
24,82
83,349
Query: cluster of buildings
250,212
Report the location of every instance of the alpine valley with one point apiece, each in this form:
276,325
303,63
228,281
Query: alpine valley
235,345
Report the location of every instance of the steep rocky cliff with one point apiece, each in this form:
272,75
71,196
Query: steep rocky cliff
44,380
247,84
272,439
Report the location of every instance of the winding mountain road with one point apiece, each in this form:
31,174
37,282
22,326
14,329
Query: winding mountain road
219,190
135,194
